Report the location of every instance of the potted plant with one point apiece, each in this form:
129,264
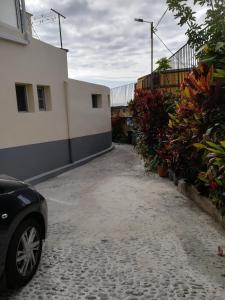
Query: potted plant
162,166
162,169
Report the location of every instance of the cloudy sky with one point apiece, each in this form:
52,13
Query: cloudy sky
105,44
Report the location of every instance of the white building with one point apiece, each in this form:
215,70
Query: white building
47,122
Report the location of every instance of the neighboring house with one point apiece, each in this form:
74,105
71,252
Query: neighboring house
47,121
181,64
121,122
121,111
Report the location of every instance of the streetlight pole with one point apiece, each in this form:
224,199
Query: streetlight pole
152,28
152,46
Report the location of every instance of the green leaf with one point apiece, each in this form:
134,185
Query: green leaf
199,146
211,161
219,163
214,146
209,59
203,177
221,71
170,124
213,150
216,75
219,181
172,116
219,45
196,117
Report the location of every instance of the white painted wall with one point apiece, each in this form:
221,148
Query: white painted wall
41,64
8,12
35,64
83,118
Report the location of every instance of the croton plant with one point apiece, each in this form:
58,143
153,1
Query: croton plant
150,112
214,175
188,133
187,123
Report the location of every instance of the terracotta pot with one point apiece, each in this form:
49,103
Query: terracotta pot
162,170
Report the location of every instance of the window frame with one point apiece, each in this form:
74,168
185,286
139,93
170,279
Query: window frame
98,98
43,88
26,97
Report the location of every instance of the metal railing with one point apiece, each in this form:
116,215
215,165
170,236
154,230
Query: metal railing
121,95
181,63
184,58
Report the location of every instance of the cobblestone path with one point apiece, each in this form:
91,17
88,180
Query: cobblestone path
117,233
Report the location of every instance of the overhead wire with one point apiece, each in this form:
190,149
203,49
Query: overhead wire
44,23
32,25
160,20
163,43
155,28
168,49
44,19
43,16
35,31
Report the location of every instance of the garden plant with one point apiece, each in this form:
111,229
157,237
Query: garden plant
186,132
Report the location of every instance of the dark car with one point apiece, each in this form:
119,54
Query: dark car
23,225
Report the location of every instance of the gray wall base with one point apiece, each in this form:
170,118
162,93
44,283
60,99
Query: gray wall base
85,146
53,173
30,161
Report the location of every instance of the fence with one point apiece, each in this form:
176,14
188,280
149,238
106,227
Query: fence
181,64
121,95
184,58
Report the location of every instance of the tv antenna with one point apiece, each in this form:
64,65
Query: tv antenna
59,19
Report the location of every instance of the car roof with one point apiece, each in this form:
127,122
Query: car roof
10,184
7,177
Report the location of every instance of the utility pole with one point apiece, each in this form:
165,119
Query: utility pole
152,49
59,19
152,31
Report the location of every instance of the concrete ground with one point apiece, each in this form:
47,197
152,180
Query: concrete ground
117,233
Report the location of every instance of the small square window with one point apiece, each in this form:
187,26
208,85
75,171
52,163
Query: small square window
41,97
96,100
21,95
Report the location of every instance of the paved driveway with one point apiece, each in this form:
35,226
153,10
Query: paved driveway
116,233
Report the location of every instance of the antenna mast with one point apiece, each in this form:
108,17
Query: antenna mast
59,19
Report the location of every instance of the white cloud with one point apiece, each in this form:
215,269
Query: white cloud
104,42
